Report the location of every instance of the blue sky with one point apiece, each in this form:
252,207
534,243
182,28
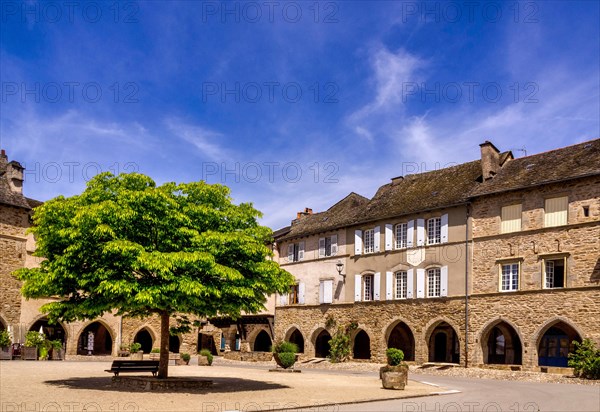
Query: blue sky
292,104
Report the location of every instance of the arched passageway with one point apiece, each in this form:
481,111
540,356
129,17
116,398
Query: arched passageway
95,340
444,344
174,343
322,344
556,344
502,345
297,338
401,337
263,342
52,332
362,346
144,338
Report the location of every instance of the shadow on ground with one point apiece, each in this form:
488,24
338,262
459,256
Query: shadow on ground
220,385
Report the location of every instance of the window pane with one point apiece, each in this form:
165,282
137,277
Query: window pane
433,282
434,231
368,287
369,243
328,246
401,235
401,279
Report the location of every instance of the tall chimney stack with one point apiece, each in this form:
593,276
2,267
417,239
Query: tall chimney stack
490,160
14,175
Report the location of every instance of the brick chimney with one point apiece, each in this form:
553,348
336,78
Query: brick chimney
490,160
307,211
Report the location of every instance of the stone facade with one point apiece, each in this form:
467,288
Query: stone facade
528,324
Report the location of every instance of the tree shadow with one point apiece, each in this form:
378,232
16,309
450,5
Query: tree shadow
220,385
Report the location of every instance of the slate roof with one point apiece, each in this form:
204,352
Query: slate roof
343,213
452,186
562,164
424,191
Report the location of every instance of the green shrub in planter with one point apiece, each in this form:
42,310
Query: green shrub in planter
185,357
585,360
155,350
208,354
4,339
394,356
34,339
135,347
286,359
285,347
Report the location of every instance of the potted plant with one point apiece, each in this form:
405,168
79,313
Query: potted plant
135,352
285,355
33,340
184,359
56,350
395,374
44,349
123,351
5,345
205,358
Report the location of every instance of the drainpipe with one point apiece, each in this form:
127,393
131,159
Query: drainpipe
467,288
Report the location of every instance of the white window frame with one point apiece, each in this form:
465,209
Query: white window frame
434,282
545,268
509,280
401,236
401,284
326,291
368,288
369,240
434,231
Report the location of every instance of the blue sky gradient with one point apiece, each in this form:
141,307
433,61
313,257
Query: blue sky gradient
292,104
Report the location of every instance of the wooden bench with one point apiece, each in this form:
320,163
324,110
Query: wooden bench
127,366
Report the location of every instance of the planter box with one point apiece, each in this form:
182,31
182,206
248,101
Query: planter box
6,353
137,356
203,360
57,354
30,353
394,377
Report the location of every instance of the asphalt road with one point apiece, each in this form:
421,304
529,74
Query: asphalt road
491,396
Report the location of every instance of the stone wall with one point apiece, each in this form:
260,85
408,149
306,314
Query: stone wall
13,223
578,241
531,314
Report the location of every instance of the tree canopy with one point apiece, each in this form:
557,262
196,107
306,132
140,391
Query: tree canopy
130,246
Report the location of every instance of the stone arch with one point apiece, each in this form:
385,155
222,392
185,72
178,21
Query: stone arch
103,338
174,343
443,341
361,345
320,339
146,337
400,335
295,336
554,341
56,331
501,343
262,341
3,322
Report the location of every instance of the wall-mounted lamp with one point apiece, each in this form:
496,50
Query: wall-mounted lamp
340,266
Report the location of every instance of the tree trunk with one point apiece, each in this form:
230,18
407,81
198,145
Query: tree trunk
163,368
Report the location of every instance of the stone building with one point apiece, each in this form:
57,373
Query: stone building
222,336
495,261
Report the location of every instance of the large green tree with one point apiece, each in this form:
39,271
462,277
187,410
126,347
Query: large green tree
130,246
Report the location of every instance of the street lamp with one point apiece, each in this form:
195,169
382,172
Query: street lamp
340,266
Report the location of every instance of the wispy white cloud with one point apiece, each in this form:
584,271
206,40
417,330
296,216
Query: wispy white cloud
203,139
